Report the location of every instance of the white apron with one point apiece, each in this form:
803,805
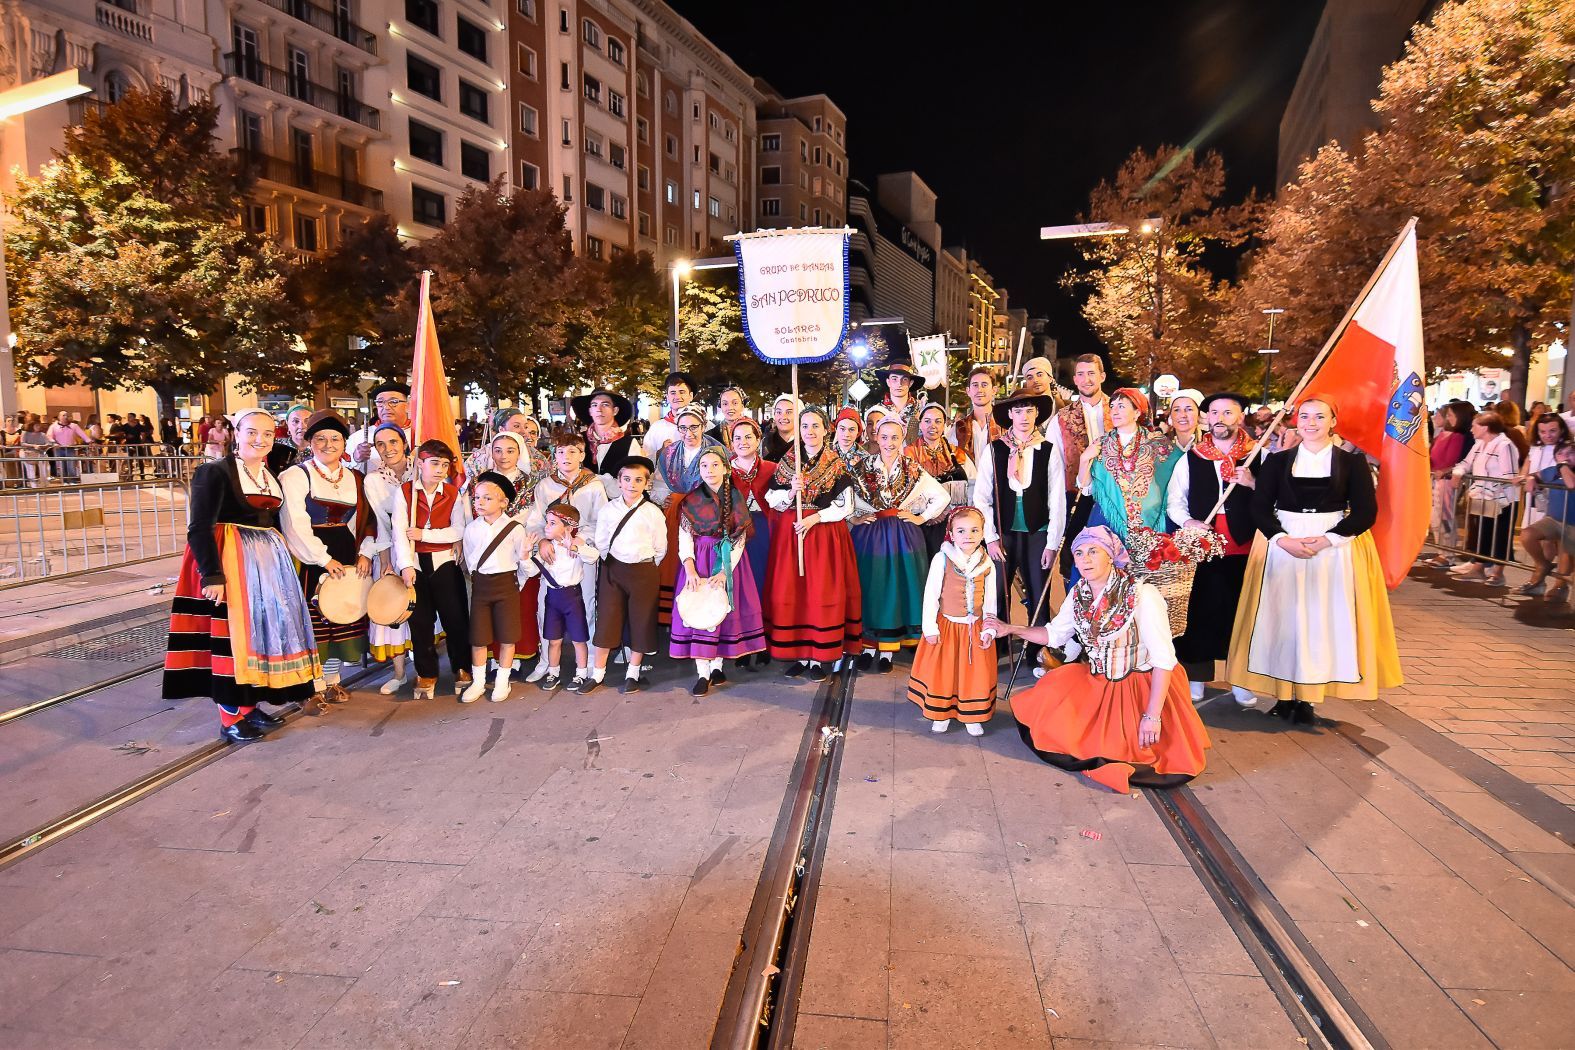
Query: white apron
1310,634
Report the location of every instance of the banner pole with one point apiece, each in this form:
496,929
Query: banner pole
798,458
1312,369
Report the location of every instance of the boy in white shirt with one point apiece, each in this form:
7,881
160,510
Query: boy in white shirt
494,547
562,560
631,535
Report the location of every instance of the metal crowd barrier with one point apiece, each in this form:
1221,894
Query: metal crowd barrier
86,519
1487,529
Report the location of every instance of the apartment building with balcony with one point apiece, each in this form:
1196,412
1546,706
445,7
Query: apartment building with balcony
444,82
802,178
296,110
117,45
640,126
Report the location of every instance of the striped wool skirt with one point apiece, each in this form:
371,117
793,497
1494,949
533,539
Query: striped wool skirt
893,565
255,645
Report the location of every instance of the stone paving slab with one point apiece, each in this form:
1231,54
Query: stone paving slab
962,905
546,872
1493,672
1411,903
49,613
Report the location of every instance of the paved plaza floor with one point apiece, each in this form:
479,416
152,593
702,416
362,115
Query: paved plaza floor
566,871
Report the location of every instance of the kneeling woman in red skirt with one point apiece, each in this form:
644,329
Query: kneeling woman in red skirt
815,618
240,630
1125,716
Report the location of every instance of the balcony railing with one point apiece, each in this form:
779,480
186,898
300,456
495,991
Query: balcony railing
122,19
286,173
302,89
330,22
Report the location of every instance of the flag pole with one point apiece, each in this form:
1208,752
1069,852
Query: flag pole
1312,369
416,374
798,459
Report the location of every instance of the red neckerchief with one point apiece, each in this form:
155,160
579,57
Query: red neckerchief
596,439
1239,450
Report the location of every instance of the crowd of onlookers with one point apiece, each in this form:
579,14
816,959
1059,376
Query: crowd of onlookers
35,451
1514,475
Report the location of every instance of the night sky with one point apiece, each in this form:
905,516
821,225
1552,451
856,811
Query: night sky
1013,112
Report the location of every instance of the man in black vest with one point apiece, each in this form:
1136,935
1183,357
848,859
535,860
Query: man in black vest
1215,460
1021,489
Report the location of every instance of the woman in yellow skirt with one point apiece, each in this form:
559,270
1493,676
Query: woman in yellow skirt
1313,620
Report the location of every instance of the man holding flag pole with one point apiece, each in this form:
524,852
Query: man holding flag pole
1314,619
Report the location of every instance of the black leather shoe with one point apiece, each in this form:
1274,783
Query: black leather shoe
589,686
762,659
242,732
745,663
263,720
700,688
884,663
817,673
795,669
866,661
632,685
717,677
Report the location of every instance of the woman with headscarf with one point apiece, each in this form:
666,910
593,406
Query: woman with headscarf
1185,411
1124,716
812,618
713,531
944,462
1313,620
393,470
324,519
240,629
752,475
780,434
677,474
516,421
893,499
1127,470
847,437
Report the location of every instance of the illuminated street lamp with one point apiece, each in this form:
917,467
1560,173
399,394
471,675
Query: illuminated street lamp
683,268
14,104
1148,227
1269,351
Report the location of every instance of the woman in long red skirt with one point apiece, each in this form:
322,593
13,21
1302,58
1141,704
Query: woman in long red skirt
813,619
1125,716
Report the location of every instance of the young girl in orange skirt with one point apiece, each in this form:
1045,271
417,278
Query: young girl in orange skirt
1125,716
954,668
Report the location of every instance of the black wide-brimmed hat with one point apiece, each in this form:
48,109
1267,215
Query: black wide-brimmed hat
390,387
1224,395
327,419
900,368
1002,409
581,406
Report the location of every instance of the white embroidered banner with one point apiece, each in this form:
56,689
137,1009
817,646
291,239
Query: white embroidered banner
793,288
929,359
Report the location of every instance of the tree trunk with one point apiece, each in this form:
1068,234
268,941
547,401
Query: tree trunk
1520,365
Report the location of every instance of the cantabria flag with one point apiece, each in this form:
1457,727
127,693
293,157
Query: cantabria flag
1375,378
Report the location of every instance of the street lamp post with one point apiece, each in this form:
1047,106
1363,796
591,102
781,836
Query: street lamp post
1150,226
15,103
679,268
1269,351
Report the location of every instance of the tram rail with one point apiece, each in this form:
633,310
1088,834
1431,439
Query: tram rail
47,834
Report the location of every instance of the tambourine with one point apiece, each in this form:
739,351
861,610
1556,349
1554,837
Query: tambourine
390,601
342,600
702,607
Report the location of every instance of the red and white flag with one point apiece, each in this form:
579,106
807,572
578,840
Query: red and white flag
1375,377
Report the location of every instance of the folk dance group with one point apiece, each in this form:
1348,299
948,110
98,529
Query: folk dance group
818,541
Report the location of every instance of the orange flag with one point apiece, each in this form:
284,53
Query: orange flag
432,410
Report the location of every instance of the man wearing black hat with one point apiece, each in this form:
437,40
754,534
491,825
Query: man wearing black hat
392,401
900,402
1020,488
680,389
1215,460
608,443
